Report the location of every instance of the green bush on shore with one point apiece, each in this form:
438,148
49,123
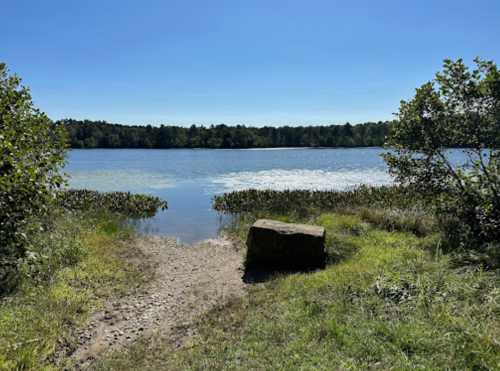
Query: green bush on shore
460,106
32,150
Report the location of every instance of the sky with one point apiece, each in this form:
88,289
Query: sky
253,62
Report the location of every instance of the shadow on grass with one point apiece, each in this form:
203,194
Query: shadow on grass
261,275
337,250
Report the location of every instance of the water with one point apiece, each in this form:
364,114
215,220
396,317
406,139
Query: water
188,179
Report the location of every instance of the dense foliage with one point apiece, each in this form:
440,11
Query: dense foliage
126,203
31,152
99,134
458,106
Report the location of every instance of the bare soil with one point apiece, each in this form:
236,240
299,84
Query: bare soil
188,281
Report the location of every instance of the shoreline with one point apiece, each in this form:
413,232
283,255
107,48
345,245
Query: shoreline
188,280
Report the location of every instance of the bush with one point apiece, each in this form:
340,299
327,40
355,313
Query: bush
32,150
460,107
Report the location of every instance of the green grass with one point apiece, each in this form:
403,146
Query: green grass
124,203
72,268
388,300
302,201
412,220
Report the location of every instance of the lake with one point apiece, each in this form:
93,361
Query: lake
189,178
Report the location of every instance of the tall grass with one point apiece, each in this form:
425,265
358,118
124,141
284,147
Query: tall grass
383,303
70,268
304,200
126,203
73,261
415,220
388,207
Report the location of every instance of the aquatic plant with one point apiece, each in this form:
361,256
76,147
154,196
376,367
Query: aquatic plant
298,200
126,203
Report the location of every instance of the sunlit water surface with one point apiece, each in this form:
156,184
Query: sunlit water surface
188,179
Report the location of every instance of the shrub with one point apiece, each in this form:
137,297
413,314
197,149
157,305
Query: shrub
460,107
31,151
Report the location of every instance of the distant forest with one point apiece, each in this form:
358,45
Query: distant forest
100,134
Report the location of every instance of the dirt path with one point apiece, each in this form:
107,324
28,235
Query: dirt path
189,280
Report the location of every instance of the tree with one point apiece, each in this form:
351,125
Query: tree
32,149
100,134
458,108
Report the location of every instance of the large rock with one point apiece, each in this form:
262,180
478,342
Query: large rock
276,245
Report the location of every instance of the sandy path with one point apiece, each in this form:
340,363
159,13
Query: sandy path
189,280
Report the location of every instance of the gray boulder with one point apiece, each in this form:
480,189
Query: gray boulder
276,245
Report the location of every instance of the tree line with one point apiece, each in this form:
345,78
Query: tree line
101,134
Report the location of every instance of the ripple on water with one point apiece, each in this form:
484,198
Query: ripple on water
279,179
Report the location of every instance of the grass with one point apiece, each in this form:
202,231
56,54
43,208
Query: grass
387,300
124,203
302,201
71,269
414,220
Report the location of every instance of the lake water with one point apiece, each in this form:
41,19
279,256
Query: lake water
188,179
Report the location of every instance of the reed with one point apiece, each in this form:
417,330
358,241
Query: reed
296,200
126,203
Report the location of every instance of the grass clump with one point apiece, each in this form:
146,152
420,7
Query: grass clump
388,300
69,270
302,201
414,220
388,207
125,203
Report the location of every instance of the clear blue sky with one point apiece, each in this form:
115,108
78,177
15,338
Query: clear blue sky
252,62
